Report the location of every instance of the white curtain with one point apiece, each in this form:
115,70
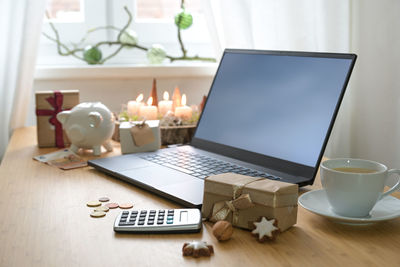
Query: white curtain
20,27
368,124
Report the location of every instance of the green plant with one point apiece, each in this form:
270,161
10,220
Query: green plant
126,38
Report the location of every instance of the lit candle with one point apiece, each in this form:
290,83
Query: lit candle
134,106
148,112
165,105
183,112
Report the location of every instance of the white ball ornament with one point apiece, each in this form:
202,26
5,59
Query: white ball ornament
156,54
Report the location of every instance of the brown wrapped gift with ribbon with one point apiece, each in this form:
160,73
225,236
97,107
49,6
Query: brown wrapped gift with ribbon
242,200
48,104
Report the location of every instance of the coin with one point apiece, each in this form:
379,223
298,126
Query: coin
112,205
94,203
102,208
126,205
98,214
104,199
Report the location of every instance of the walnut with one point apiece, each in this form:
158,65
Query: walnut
222,230
197,249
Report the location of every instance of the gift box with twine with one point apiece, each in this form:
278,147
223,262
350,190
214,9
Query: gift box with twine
242,200
139,136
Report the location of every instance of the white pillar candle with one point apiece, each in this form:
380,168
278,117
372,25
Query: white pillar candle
184,112
165,105
148,112
133,107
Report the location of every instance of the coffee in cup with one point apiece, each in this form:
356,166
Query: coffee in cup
354,186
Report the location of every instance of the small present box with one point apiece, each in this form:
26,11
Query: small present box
242,200
147,138
48,104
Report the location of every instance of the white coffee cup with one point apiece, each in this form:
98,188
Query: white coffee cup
354,186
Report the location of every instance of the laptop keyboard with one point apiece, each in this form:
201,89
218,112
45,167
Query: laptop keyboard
201,166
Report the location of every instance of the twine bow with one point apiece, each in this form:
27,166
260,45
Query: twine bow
141,124
56,102
222,209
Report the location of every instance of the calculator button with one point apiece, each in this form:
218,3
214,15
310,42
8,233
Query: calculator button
152,212
130,223
170,221
141,223
150,222
133,212
125,212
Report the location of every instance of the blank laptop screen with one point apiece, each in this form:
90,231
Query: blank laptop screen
275,105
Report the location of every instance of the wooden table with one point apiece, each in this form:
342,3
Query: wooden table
45,222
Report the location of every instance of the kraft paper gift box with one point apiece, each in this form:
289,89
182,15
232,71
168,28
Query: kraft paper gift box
48,104
148,138
242,200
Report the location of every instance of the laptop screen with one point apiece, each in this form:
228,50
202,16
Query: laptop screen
278,104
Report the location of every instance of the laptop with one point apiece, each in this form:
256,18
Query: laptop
268,114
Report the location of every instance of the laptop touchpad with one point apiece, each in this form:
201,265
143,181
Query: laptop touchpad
120,163
156,176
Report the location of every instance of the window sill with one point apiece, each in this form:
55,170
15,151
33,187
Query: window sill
124,71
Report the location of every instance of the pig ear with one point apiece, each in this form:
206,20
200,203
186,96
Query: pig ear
95,119
63,116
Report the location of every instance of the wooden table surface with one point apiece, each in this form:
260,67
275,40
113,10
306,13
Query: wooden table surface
45,222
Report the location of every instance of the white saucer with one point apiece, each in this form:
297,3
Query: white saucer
315,201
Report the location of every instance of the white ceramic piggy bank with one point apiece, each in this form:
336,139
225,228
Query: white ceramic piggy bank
88,125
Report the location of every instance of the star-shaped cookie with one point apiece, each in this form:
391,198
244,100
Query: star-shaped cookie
197,249
266,229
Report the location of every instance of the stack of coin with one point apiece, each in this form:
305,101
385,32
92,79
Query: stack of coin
100,210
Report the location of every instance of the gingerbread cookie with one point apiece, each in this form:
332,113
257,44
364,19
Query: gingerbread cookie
197,249
266,229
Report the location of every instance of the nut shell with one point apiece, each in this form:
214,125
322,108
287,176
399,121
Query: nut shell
222,230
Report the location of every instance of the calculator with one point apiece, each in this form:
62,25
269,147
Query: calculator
159,221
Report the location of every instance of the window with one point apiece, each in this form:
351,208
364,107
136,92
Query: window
164,9
153,21
65,10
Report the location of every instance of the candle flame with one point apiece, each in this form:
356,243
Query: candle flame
183,102
166,96
139,98
150,101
